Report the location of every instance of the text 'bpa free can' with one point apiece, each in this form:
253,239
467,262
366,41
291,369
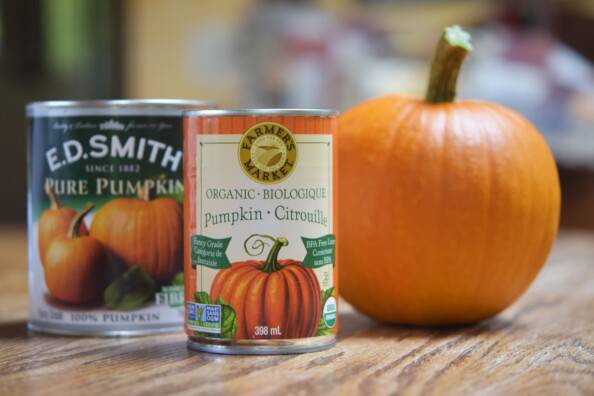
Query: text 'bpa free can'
105,216
260,227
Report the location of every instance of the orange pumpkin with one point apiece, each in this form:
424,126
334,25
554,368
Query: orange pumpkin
54,222
76,266
279,294
453,206
142,232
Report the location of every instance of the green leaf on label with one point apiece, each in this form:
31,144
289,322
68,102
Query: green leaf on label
202,297
178,279
327,294
229,319
323,329
228,316
129,291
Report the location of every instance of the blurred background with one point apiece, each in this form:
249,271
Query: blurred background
535,56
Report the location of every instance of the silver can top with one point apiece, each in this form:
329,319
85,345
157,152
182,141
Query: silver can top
114,107
261,112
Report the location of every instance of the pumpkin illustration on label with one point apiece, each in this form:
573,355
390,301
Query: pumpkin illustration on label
55,222
76,265
142,232
278,295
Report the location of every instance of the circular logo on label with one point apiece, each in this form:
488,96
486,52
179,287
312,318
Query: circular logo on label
329,312
267,152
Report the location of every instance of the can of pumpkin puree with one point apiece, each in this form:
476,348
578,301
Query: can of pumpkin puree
260,228
105,216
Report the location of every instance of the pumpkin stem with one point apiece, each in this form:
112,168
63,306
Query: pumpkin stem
74,229
258,245
447,61
54,201
271,264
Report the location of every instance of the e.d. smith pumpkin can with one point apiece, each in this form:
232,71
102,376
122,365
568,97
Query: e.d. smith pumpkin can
105,216
260,227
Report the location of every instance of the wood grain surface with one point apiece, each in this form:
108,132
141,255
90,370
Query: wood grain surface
542,345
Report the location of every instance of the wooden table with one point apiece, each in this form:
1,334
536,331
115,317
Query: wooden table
542,345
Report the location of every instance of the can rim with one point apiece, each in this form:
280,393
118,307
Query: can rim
124,103
260,112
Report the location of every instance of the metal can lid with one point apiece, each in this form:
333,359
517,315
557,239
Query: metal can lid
261,112
117,106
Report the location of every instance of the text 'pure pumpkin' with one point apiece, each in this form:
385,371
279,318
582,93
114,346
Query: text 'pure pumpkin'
452,206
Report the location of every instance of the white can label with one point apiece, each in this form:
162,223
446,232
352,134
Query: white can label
264,246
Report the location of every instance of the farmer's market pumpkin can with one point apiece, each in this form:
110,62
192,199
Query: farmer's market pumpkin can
260,227
105,216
